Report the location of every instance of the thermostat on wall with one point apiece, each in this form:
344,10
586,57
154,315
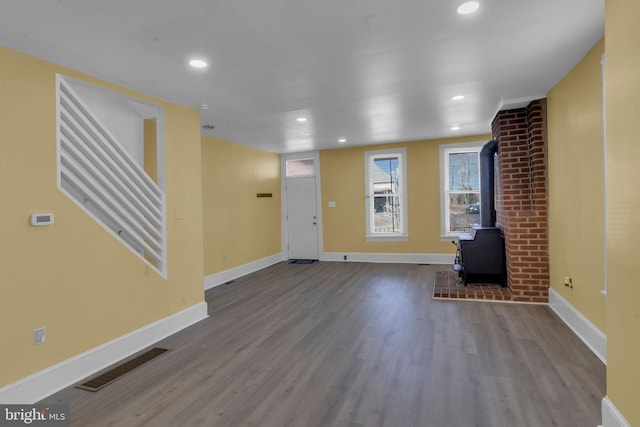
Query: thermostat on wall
41,219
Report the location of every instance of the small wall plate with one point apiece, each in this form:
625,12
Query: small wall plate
41,219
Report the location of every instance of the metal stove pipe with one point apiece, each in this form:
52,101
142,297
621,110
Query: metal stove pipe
487,192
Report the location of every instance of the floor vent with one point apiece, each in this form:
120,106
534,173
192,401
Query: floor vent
110,376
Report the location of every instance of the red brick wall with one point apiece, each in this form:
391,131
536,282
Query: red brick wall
521,198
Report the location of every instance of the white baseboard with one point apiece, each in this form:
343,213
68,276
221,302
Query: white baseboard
580,325
388,257
48,381
217,279
611,417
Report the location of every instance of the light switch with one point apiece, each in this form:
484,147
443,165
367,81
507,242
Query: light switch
332,204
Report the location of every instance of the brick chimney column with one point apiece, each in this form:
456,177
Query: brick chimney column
521,198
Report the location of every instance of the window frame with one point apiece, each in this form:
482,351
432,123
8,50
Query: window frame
287,168
402,193
445,151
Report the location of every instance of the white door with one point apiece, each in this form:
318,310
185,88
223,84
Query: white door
302,218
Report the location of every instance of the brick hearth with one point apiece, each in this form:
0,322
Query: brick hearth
448,285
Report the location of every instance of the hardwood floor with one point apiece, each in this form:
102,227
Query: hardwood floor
350,345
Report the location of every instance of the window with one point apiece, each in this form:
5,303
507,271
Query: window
386,189
300,167
460,187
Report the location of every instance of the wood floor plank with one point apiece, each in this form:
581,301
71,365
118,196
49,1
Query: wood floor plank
355,345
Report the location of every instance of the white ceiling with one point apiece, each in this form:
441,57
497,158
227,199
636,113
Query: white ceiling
371,71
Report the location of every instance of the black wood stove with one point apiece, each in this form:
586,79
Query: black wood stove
481,256
481,253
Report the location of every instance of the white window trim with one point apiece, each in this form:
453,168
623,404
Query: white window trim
445,150
403,235
286,167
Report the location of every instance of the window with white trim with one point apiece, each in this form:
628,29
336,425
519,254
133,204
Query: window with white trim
386,194
300,167
460,187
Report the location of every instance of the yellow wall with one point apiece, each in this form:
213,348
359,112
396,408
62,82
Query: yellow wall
236,222
576,185
622,46
342,175
74,278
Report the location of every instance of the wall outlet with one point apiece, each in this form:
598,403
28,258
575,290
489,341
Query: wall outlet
224,256
39,336
345,257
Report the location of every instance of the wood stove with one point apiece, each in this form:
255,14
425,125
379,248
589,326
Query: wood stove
481,253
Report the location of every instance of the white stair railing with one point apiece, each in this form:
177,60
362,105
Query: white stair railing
97,173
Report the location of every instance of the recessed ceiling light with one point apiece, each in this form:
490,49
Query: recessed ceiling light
198,63
301,119
468,7
342,140
457,97
455,127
